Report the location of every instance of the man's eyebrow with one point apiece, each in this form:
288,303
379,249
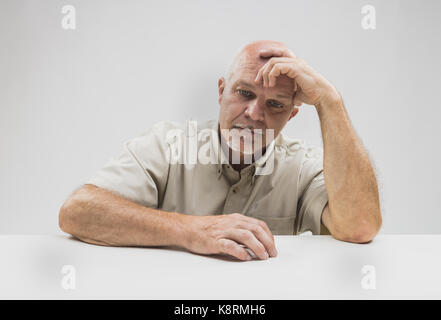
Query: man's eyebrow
244,83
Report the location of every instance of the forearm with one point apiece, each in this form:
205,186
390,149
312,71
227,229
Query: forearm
97,216
349,177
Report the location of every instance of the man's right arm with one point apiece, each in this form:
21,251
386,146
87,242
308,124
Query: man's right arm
97,216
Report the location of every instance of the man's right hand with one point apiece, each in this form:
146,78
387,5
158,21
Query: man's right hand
225,234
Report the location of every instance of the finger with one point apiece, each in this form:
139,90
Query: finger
278,69
270,65
276,52
261,223
267,65
267,230
267,68
232,248
259,75
261,234
247,238
273,74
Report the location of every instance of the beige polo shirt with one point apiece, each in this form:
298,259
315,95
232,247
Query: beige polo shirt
181,167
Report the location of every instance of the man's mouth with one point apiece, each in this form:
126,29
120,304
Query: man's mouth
248,128
247,135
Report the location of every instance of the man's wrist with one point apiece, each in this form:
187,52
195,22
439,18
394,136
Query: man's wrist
183,230
165,228
330,99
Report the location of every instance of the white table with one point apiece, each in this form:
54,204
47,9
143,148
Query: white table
406,266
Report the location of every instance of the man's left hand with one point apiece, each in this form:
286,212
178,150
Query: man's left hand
310,87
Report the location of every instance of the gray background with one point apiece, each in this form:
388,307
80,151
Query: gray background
69,99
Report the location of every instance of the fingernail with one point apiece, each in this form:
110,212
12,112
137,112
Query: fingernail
266,256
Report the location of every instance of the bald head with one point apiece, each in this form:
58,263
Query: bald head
257,53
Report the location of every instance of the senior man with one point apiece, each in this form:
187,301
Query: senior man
243,197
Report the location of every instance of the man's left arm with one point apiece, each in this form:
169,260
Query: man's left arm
353,210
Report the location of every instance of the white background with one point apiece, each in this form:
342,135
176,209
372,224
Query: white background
69,99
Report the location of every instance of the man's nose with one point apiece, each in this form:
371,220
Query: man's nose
255,110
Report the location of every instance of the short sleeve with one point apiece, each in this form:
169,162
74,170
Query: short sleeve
140,172
313,196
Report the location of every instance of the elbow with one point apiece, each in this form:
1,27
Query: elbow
65,216
69,216
74,216
363,232
361,235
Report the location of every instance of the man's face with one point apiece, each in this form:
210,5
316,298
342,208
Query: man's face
246,103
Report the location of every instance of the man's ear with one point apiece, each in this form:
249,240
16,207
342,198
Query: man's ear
293,113
221,87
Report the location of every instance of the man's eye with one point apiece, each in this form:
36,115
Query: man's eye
275,104
245,93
